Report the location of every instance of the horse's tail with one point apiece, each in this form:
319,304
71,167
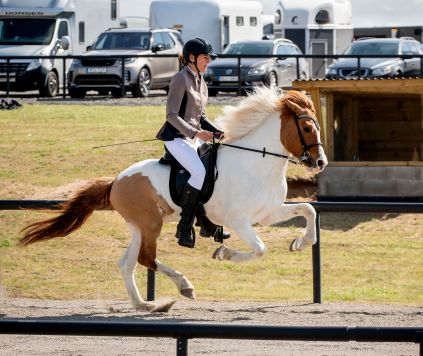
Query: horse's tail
73,213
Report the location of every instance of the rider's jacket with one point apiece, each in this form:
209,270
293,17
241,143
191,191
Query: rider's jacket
186,101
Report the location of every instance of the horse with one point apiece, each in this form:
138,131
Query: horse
251,188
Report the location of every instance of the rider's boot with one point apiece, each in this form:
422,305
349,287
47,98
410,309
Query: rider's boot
208,228
189,204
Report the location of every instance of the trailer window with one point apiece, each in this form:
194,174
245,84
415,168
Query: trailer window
114,10
253,21
81,27
240,21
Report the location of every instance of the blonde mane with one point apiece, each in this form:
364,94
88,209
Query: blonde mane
237,121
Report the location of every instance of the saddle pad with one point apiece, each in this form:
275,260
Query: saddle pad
179,176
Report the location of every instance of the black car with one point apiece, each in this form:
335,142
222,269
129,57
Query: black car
222,73
347,68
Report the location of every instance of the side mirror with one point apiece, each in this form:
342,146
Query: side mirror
88,48
157,47
65,42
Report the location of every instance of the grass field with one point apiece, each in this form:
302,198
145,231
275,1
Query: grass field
45,149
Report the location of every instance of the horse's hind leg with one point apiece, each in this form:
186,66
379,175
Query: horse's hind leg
182,283
147,258
127,266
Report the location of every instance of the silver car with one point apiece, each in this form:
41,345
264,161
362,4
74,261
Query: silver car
141,74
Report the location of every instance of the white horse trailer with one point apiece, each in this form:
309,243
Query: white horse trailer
317,26
219,21
49,28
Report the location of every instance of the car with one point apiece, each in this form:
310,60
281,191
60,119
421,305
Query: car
142,74
346,68
222,73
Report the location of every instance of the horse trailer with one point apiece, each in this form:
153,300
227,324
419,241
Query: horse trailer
49,28
219,21
318,27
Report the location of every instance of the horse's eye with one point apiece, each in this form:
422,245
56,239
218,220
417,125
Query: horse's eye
307,129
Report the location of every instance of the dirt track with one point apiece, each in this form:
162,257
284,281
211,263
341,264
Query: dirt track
283,314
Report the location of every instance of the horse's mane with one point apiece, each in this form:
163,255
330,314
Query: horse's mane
237,121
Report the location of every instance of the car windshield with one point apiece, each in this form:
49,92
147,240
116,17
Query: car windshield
363,48
248,48
26,31
123,40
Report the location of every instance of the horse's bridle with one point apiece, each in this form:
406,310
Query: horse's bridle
305,156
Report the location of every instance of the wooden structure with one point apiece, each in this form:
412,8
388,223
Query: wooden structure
373,123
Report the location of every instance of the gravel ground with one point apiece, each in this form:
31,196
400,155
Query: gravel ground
282,314
157,97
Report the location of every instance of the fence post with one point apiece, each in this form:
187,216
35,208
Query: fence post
239,75
317,279
64,78
7,77
151,285
181,346
122,82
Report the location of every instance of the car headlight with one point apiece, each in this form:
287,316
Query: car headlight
209,71
331,71
76,62
257,71
129,60
382,71
34,64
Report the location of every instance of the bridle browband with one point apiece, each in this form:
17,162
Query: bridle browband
305,155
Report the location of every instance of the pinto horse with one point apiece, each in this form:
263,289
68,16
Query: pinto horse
251,188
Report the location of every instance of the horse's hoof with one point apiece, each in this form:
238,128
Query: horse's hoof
291,247
188,293
163,306
145,307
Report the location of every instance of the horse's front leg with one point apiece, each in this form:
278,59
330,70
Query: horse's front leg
245,231
289,211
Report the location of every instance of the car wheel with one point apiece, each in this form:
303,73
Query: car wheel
77,93
213,92
117,93
51,88
142,88
272,80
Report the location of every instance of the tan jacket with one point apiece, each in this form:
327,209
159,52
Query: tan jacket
184,119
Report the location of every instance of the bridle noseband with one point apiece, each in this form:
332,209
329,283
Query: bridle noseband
305,155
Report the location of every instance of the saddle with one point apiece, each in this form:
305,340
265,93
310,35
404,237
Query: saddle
179,175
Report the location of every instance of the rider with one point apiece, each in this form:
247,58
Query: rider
185,129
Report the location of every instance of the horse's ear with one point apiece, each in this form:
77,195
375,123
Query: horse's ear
298,110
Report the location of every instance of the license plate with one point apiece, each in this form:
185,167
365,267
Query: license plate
228,78
12,79
96,70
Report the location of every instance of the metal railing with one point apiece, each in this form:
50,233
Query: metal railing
184,331
239,87
320,207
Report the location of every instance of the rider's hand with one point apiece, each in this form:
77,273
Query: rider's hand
204,135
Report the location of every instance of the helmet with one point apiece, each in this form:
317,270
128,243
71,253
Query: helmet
197,46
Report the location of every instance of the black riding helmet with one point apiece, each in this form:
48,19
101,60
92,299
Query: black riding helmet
196,47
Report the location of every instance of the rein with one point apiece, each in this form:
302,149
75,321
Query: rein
263,152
